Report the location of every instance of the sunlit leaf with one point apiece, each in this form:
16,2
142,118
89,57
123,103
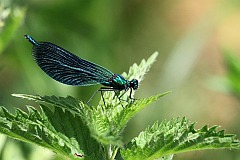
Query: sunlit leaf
176,136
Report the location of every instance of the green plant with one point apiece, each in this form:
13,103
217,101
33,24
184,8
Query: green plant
72,128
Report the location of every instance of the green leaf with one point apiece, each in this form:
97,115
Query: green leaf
138,71
176,136
56,130
72,104
105,124
109,123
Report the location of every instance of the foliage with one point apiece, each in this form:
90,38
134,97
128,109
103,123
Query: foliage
176,136
73,128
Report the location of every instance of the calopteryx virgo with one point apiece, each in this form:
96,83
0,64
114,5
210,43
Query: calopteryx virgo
67,68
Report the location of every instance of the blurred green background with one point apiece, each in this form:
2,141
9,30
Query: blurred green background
194,39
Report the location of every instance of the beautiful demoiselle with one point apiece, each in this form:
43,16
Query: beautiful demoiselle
69,69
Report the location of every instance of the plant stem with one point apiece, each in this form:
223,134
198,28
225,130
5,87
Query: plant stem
114,153
108,152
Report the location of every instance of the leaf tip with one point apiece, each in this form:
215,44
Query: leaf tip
17,95
155,54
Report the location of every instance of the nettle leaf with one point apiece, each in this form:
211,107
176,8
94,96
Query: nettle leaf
109,123
176,136
105,124
72,104
58,130
138,71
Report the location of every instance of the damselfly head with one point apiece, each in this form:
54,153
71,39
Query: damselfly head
134,84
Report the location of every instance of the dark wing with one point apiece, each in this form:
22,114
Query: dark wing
66,67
